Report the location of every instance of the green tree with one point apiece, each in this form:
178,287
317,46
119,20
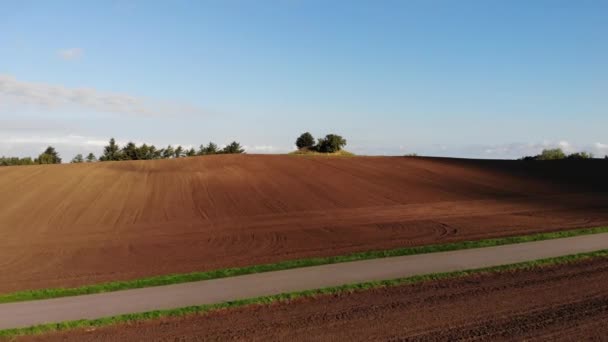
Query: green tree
154,152
168,152
552,154
201,150
91,158
145,152
130,151
211,148
331,143
77,159
306,140
191,152
580,155
233,147
179,151
111,152
49,156
15,161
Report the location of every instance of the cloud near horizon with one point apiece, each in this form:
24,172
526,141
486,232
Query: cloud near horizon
517,150
49,96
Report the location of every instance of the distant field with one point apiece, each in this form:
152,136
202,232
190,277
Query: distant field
71,225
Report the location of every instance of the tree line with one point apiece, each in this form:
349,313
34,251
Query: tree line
558,153
114,152
49,156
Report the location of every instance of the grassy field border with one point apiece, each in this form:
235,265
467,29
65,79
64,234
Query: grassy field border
285,297
28,295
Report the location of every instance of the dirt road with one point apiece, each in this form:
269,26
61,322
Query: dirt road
24,314
71,225
559,303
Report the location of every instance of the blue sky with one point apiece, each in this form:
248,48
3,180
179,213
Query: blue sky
489,79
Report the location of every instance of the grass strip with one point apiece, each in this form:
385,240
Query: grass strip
341,153
285,297
284,265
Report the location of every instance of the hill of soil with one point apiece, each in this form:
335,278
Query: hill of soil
69,225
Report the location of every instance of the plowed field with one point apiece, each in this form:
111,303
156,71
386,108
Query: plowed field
69,225
558,303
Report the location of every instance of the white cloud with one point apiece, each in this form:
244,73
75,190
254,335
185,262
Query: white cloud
601,149
31,145
48,96
266,149
516,150
71,54
46,140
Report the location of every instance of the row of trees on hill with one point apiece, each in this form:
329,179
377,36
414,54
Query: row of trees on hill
131,151
49,156
558,153
114,152
330,144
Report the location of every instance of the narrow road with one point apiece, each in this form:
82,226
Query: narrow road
24,314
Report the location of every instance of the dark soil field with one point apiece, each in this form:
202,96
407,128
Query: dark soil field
558,303
70,225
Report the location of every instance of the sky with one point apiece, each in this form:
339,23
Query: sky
475,79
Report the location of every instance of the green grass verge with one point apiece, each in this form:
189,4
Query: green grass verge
45,328
283,265
341,153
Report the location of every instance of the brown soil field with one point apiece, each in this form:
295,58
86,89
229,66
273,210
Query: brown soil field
566,302
70,225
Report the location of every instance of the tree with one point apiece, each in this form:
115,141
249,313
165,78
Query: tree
233,147
306,140
179,151
91,158
191,152
143,152
11,161
111,152
130,152
155,153
331,143
49,156
580,155
77,159
168,152
552,154
211,148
